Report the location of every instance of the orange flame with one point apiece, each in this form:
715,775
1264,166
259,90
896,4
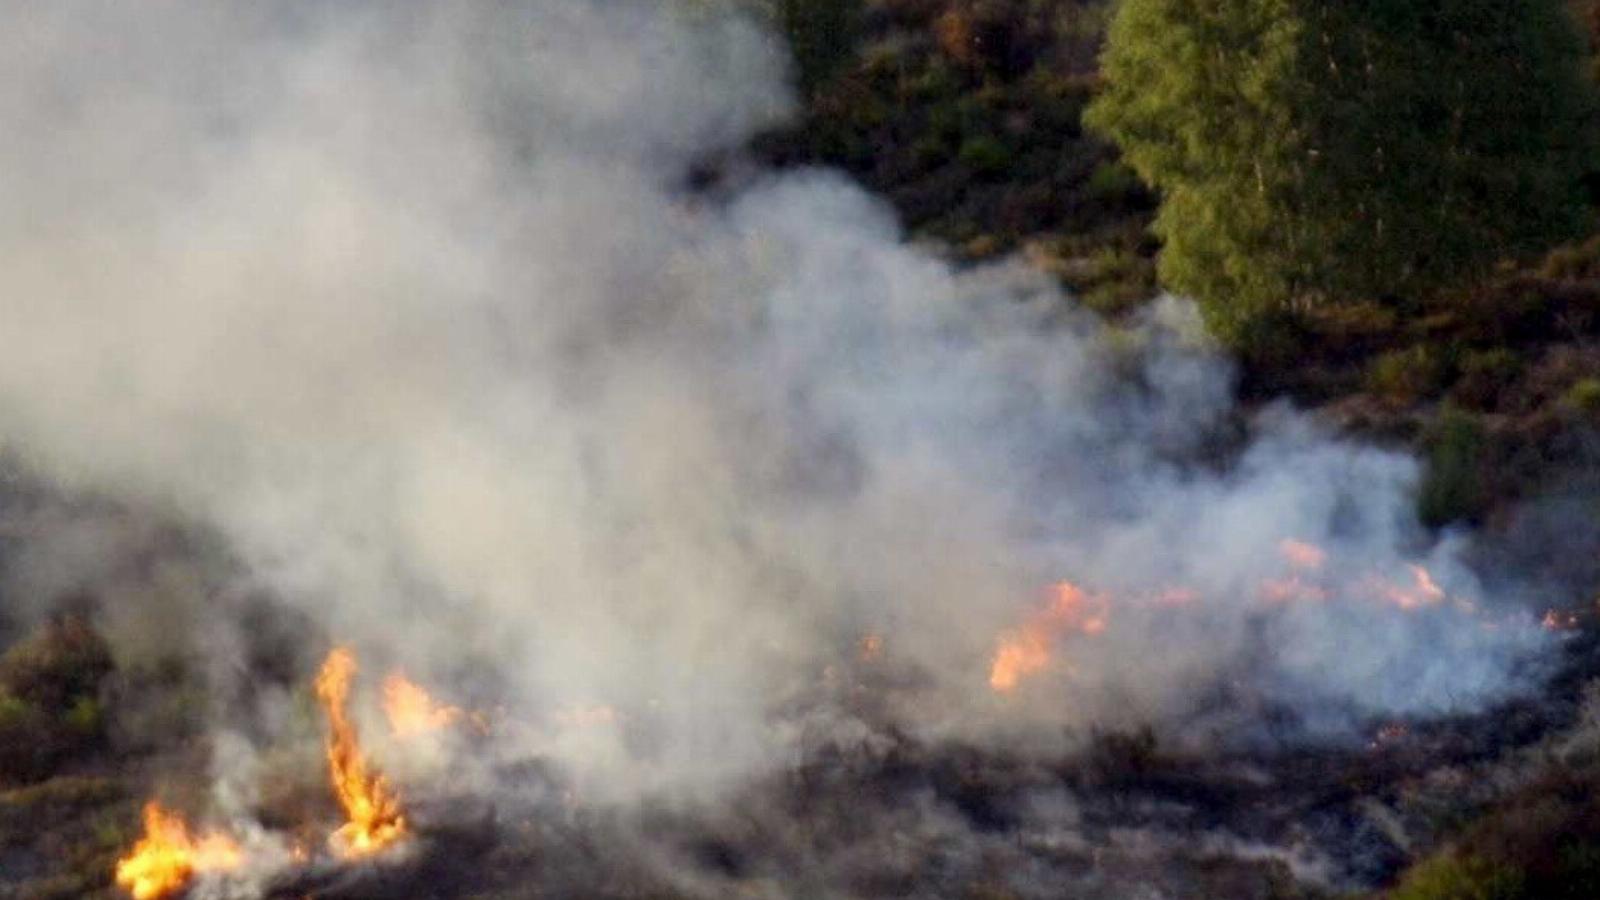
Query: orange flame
164,860
1560,620
370,805
412,711
1028,650
870,647
1424,591
1291,590
1302,555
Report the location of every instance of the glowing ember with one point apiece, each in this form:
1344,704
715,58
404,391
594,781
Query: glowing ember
1560,620
1028,650
1388,734
412,711
370,805
167,857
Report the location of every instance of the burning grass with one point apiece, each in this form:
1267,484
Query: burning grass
168,857
370,803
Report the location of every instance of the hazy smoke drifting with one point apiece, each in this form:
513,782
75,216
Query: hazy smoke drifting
410,304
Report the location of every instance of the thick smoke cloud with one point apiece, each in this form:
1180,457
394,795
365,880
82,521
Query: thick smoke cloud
411,304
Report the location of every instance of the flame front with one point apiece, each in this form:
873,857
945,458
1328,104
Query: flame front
370,805
412,711
1028,650
167,857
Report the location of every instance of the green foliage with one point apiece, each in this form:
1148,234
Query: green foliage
1484,375
985,154
85,716
1407,375
1312,152
48,688
1583,396
822,35
1113,182
1452,488
1451,877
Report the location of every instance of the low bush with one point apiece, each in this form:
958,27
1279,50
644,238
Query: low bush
1452,489
1449,876
50,707
1405,376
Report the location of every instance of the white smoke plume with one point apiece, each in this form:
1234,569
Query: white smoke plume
410,304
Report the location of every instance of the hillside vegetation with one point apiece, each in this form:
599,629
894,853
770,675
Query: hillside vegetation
969,115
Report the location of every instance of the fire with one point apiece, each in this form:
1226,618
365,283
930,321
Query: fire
370,805
164,860
412,711
1388,734
1291,590
870,647
1560,620
1028,650
1424,591
1302,555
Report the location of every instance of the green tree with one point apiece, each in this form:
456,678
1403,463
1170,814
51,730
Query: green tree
1313,151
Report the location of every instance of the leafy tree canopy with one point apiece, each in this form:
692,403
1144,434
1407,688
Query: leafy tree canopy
1323,150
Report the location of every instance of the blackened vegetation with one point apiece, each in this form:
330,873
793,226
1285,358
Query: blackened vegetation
889,815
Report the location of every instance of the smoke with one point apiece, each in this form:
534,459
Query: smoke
411,304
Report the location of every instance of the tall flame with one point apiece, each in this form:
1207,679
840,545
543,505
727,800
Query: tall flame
371,807
412,711
1028,649
167,857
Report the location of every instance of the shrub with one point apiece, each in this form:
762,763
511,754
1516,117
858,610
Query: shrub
49,685
1451,877
1484,374
1583,396
1113,182
1407,375
821,33
985,154
1452,488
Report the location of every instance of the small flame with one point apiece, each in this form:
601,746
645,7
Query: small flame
870,647
1291,590
1388,734
1560,620
167,857
1302,555
1424,591
370,805
1028,650
412,711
